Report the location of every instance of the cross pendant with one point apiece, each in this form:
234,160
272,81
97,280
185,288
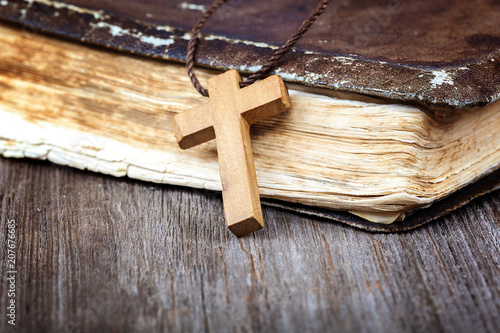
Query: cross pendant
227,117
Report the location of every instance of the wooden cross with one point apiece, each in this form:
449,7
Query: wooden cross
227,118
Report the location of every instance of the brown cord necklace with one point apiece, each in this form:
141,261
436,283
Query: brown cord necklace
233,106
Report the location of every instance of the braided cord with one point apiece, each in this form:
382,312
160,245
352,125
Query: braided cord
271,63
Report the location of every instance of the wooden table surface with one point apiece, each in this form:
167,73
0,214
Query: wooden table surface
102,254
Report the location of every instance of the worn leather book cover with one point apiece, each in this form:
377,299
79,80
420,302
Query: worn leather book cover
441,55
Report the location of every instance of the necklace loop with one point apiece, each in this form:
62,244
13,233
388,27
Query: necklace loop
264,70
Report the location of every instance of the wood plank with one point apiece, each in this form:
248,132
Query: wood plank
97,253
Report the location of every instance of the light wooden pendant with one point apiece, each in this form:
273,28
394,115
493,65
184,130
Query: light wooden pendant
227,118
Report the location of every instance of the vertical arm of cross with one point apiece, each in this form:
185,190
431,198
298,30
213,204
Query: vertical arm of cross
235,110
239,183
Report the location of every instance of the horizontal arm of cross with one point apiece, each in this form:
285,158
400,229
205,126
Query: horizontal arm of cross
263,99
193,127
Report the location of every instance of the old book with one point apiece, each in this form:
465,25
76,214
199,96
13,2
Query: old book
379,135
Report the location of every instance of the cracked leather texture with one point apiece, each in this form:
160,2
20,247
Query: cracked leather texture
439,54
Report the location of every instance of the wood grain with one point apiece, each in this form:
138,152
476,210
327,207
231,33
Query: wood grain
228,115
103,254
112,113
